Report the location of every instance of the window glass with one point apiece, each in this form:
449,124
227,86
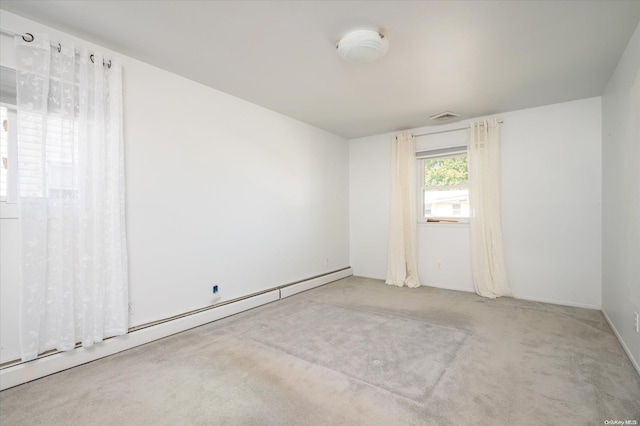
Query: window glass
444,187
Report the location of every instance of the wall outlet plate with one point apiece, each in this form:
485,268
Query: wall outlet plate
215,291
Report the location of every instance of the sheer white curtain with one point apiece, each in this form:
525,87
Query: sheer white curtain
402,257
74,285
487,253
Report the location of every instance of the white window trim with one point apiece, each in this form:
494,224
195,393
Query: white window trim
12,155
8,204
435,153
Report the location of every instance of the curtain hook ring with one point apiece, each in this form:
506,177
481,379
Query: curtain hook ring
59,48
30,35
109,66
91,57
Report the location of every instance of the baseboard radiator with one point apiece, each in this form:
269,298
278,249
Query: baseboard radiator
22,372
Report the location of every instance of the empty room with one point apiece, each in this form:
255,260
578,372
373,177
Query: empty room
320,212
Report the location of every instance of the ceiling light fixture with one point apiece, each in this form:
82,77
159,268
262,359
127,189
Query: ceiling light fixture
362,46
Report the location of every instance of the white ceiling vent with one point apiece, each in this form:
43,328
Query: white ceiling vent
445,116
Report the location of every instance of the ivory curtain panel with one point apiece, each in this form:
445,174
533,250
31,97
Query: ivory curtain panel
74,285
485,194
402,269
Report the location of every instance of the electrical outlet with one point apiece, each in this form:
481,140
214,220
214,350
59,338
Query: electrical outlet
637,320
132,308
215,291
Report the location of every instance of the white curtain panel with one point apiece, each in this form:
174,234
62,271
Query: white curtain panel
487,253
402,267
74,285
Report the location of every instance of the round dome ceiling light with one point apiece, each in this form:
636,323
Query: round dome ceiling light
362,46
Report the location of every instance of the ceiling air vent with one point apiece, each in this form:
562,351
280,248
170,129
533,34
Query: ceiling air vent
445,116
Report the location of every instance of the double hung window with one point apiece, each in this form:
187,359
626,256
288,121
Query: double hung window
443,184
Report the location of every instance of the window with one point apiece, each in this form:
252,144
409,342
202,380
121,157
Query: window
53,179
443,184
8,137
4,152
8,159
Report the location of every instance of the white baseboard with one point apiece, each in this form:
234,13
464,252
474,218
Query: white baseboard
520,297
517,296
559,302
450,287
18,374
624,345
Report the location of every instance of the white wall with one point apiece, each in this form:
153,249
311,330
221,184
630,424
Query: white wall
219,190
621,197
551,206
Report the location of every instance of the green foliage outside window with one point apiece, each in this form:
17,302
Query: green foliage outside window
446,171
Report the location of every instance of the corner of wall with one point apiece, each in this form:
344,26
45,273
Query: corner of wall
621,199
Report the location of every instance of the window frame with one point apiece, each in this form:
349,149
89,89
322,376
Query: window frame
441,153
9,203
11,196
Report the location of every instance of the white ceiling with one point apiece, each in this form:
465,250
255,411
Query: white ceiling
475,58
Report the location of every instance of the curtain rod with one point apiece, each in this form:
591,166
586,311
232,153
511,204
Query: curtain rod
447,131
24,36
28,37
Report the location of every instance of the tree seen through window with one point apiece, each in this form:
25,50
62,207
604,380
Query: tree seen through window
446,171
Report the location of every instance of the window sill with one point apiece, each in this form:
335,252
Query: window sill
444,224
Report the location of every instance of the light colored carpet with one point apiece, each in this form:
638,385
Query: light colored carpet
355,352
402,355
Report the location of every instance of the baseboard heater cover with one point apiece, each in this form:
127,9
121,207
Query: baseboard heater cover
18,374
